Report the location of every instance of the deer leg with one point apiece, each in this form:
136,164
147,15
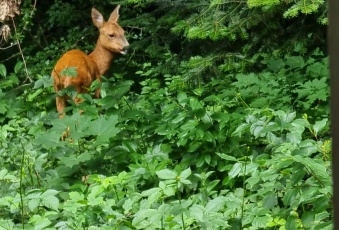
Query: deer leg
97,93
60,104
78,100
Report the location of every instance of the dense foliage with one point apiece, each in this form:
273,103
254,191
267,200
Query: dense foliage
217,119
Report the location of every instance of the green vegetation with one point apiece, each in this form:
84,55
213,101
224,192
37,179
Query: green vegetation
217,118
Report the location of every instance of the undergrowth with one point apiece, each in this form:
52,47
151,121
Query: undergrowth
210,158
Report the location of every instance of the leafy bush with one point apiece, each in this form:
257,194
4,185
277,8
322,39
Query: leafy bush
218,119
167,160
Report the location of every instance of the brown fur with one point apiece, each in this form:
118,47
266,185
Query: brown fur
90,67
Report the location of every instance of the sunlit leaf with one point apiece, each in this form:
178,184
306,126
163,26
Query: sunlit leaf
186,173
166,174
3,71
236,169
319,125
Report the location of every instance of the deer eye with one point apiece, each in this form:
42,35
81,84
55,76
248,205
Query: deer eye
111,36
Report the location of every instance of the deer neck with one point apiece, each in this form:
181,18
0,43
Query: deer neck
102,57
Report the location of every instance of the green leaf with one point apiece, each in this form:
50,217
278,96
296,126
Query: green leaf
294,137
49,192
272,126
297,176
128,205
301,123
49,141
122,88
324,226
51,202
3,107
182,98
39,222
290,117
260,221
275,64
256,128
319,125
291,223
3,173
198,91
85,97
104,128
34,95
240,129
186,182
216,204
197,212
179,118
167,174
140,218
154,195
195,104
75,196
69,72
309,193
307,219
207,118
169,191
8,223
316,168
256,3
149,192
226,157
94,201
221,117
201,113
69,161
193,146
189,125
38,84
295,61
270,201
290,197
46,81
236,169
33,204
85,156
3,71
186,173
18,66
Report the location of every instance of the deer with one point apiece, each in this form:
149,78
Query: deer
89,68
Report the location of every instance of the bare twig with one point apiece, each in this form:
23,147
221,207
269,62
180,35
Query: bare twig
22,55
10,46
14,55
34,6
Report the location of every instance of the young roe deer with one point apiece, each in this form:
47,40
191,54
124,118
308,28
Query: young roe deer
90,67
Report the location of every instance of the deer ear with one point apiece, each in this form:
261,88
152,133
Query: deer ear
114,15
97,18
